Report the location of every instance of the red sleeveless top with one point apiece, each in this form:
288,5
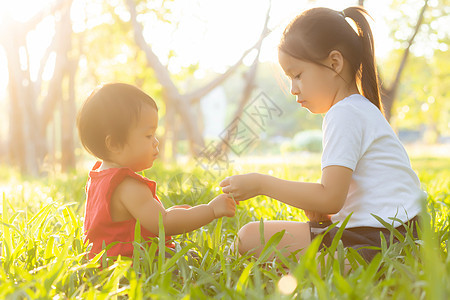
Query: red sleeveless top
98,225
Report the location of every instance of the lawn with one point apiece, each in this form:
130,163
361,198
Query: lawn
43,255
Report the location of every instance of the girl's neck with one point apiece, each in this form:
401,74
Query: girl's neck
109,165
346,92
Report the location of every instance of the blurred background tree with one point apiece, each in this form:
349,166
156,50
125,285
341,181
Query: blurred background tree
421,102
52,54
32,102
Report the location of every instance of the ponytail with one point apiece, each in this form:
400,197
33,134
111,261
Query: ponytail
367,74
316,32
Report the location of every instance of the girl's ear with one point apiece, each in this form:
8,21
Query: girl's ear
336,61
111,146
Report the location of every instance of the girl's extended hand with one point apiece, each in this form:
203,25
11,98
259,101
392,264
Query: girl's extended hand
242,187
316,217
223,206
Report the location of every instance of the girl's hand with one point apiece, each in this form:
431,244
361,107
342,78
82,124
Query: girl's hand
316,217
242,187
223,206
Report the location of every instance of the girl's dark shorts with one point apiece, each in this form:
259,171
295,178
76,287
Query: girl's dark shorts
360,237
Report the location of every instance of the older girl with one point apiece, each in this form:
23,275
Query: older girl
365,169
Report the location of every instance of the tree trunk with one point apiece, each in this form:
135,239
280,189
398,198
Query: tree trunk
68,112
27,131
169,131
22,135
250,77
246,94
388,94
68,106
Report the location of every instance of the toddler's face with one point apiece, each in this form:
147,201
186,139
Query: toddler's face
313,85
141,148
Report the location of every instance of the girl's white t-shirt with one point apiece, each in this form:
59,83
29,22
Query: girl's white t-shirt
357,136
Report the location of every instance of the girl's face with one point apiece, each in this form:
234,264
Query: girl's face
141,148
315,86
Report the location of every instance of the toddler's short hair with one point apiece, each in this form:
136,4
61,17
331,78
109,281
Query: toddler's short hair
111,109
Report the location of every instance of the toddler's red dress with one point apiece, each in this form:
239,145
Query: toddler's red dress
98,225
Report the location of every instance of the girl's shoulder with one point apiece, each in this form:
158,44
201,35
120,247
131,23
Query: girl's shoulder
355,102
355,108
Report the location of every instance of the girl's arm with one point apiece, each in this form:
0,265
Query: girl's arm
326,197
138,199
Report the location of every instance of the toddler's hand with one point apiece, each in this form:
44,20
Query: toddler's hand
223,206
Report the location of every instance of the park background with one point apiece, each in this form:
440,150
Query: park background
224,108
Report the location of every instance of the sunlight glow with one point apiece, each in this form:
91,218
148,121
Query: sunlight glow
23,10
38,39
287,284
212,34
3,72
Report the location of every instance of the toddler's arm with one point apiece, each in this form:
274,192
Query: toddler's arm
180,220
138,199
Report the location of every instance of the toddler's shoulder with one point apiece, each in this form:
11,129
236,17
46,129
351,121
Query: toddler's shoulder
132,187
124,181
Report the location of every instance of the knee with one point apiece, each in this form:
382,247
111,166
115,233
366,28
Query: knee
247,237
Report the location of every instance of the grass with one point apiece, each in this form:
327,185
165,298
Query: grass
43,255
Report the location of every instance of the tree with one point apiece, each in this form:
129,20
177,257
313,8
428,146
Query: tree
176,101
388,93
32,105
